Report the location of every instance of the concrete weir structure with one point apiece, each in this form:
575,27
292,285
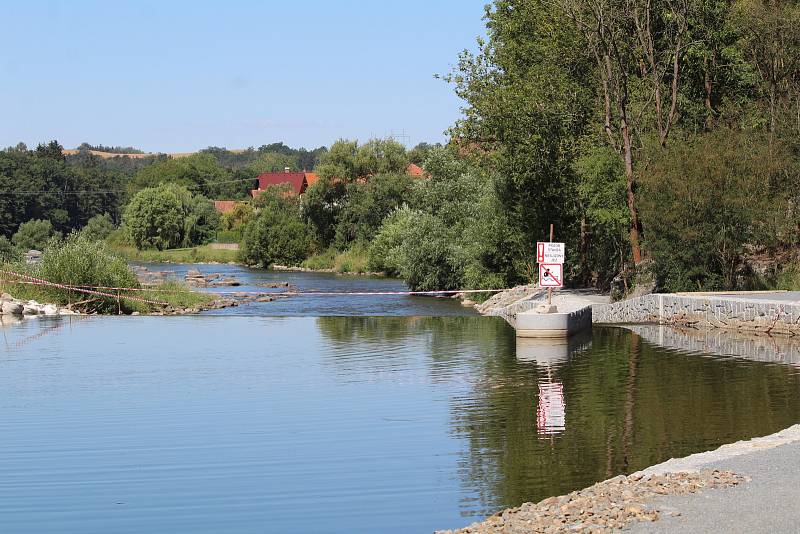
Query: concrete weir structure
533,324
520,307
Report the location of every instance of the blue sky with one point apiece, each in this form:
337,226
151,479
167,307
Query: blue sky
179,76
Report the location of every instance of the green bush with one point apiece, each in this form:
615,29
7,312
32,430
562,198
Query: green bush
169,216
707,200
98,227
276,237
454,235
34,234
8,252
77,261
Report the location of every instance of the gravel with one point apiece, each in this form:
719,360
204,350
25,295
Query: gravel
604,507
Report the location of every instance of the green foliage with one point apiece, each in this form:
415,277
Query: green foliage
368,204
33,185
276,237
34,235
111,149
238,217
77,261
8,252
201,254
322,205
199,172
453,235
169,216
601,190
711,198
99,227
347,161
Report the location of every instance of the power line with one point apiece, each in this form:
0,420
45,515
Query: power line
111,191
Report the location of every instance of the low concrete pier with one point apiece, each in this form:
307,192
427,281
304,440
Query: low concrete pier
534,324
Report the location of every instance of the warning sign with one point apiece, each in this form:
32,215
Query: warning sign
547,252
551,275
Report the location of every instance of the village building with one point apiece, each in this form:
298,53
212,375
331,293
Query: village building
300,181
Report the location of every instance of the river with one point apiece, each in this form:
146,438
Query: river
248,423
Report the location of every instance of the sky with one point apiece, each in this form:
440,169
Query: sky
174,76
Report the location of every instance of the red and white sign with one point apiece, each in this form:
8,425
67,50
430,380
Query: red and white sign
547,252
551,275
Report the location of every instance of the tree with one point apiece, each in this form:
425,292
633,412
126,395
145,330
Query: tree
527,105
770,39
199,172
635,43
98,227
275,237
34,235
368,204
169,216
711,199
347,161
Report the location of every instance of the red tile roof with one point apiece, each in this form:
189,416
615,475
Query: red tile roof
296,179
311,178
224,206
414,170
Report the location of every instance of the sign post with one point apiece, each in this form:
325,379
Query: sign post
550,257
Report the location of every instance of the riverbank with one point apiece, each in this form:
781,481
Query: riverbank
747,486
201,254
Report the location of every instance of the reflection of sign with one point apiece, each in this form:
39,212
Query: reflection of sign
549,252
551,411
551,275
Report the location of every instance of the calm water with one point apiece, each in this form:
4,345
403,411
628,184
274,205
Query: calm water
319,306
343,424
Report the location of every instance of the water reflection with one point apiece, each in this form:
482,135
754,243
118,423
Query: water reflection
550,355
212,424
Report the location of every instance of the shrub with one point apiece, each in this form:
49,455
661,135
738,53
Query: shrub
8,252
34,235
169,216
78,260
98,227
276,237
708,199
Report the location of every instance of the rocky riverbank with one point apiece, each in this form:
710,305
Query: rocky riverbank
20,308
603,508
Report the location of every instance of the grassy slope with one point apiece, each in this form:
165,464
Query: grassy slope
204,254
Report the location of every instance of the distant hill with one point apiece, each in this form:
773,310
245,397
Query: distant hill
109,155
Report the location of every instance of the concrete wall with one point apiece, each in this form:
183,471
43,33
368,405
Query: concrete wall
704,311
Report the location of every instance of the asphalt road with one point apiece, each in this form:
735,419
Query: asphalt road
768,503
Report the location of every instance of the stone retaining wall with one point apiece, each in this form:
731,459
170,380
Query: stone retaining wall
761,348
706,311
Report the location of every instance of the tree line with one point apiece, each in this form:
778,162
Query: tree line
660,136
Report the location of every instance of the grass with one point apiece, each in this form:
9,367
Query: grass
175,294
353,261
202,254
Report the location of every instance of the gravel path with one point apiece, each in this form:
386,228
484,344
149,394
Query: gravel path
767,503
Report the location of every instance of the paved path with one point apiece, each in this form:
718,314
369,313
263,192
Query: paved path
770,296
769,503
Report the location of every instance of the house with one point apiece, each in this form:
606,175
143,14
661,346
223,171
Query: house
415,171
224,206
299,181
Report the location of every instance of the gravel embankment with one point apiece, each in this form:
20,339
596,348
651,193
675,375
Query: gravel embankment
605,507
